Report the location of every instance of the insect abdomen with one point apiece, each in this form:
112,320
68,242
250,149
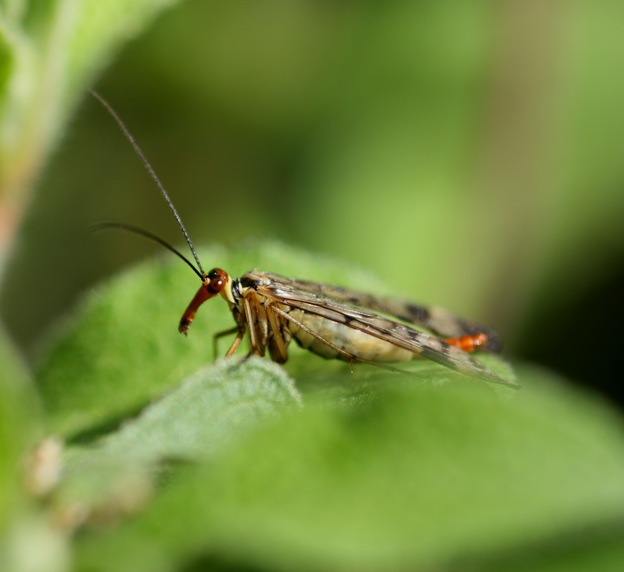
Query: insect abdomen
355,342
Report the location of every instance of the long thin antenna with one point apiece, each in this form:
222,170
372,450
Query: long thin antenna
156,180
146,234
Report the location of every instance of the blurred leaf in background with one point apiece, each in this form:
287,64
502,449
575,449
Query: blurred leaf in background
49,52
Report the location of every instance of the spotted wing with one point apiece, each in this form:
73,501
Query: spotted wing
292,294
434,318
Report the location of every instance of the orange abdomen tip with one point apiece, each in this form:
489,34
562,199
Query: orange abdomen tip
469,343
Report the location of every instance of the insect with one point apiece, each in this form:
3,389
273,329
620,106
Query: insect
330,321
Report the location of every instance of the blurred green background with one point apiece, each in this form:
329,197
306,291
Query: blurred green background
470,153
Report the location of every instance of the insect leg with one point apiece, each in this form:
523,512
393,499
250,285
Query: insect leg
237,340
215,339
256,339
277,344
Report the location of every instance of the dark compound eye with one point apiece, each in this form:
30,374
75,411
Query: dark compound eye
216,280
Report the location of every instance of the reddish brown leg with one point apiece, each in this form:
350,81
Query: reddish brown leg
278,350
257,338
235,343
215,339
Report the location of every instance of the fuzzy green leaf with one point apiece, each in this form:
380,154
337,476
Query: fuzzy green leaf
379,470
206,413
207,410
416,477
